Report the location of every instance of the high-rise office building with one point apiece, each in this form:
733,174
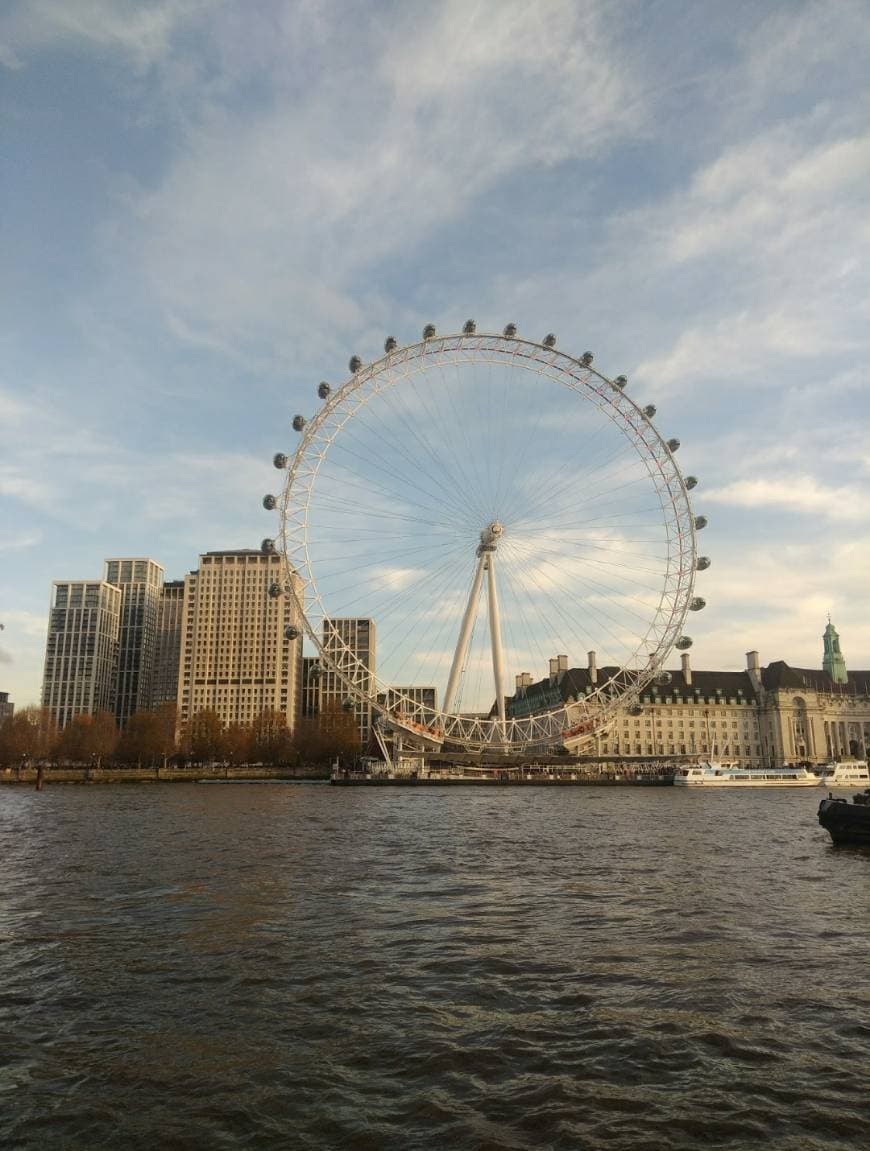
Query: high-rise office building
7,707
350,645
236,655
81,651
167,647
310,686
140,581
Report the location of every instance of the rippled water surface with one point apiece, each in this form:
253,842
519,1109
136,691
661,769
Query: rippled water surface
189,966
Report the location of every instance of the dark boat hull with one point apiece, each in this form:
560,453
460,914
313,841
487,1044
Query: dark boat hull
846,822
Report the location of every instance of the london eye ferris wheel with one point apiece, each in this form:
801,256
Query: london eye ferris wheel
491,503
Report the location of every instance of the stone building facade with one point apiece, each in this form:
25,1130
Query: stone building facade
761,716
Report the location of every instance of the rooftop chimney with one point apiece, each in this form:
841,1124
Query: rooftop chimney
687,670
554,669
592,667
563,662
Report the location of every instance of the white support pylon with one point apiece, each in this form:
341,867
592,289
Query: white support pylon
464,636
495,640
489,538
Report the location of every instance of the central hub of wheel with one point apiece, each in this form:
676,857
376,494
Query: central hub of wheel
490,536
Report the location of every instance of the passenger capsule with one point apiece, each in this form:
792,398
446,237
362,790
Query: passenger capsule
355,363
549,340
510,330
649,411
683,643
279,460
269,503
673,445
586,359
267,547
469,328
700,522
390,344
298,423
697,604
274,590
347,705
620,382
691,482
664,678
428,331
323,390
702,563
291,633
635,709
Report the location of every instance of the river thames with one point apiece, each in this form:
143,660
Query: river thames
299,966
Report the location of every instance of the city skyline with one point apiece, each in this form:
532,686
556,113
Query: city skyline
229,232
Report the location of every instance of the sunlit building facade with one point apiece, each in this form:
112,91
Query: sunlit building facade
236,656
762,716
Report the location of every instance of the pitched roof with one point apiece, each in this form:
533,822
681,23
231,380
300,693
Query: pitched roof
708,684
780,675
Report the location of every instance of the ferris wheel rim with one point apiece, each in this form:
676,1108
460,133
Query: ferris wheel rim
577,373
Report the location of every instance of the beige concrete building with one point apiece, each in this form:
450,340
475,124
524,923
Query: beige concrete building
81,651
241,650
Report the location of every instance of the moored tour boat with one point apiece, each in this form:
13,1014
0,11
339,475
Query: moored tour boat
847,823
711,773
846,774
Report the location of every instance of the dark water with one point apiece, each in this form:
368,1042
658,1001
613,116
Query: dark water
189,966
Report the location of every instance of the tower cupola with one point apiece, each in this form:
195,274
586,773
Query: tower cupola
832,661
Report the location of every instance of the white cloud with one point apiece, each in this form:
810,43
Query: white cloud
140,32
265,232
799,493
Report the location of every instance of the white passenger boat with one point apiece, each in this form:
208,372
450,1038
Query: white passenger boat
711,773
846,774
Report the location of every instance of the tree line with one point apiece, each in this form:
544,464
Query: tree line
153,738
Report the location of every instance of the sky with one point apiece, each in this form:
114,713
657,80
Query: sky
207,207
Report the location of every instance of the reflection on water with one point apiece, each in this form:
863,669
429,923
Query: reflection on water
301,966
